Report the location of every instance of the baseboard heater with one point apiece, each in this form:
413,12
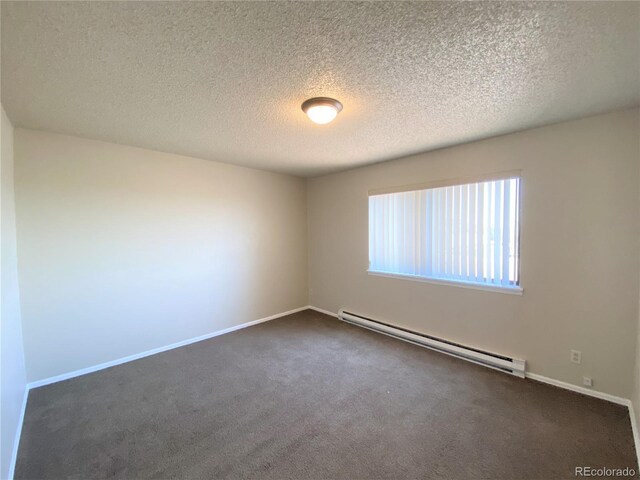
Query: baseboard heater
514,366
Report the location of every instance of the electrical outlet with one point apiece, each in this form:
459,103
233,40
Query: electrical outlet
587,381
576,356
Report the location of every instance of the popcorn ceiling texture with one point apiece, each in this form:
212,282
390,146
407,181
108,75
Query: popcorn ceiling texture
224,81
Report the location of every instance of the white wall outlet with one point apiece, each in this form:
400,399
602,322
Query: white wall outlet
587,381
576,356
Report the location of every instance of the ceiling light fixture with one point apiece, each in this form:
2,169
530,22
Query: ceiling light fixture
321,110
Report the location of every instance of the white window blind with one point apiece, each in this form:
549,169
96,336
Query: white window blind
464,233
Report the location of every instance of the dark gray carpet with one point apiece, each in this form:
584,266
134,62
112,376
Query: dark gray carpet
307,396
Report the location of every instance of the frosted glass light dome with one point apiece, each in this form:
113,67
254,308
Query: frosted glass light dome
321,110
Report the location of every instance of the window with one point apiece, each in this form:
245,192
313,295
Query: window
466,233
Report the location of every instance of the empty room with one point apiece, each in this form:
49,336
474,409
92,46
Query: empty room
320,240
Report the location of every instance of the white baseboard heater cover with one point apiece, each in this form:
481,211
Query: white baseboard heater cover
514,366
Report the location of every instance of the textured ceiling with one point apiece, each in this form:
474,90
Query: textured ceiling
224,81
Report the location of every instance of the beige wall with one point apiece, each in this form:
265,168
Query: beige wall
123,250
13,378
579,250
635,398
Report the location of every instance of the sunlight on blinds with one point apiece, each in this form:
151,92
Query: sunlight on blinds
462,232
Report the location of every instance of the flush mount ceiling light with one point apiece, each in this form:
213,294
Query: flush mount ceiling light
321,110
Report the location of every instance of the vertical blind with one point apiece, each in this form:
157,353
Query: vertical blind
463,233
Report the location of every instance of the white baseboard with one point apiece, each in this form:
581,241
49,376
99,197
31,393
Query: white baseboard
576,388
326,312
634,428
130,358
16,439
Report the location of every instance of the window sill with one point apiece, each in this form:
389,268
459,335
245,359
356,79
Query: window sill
453,283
